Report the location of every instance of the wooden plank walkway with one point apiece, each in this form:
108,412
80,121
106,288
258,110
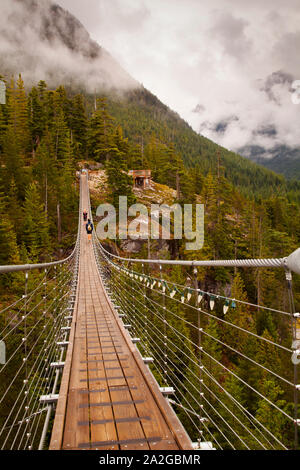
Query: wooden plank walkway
108,398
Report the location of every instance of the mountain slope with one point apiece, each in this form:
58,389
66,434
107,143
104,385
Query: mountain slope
55,47
281,159
141,114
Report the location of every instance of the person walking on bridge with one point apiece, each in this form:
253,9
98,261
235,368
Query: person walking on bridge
89,229
85,215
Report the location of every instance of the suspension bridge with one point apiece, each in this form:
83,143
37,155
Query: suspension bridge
110,353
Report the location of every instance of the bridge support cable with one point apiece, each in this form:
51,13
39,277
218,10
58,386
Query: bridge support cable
32,328
156,333
290,263
215,362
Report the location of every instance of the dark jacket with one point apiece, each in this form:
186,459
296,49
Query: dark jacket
89,226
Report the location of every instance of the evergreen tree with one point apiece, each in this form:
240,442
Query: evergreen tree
37,120
3,125
100,133
268,415
79,125
9,253
14,209
13,161
238,315
119,181
135,158
60,134
18,115
44,168
35,226
65,180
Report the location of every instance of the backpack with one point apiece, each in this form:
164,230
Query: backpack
89,228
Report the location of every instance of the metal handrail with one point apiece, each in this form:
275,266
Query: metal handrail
29,267
268,262
290,263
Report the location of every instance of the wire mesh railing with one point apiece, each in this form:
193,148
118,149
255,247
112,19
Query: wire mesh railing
233,386
34,332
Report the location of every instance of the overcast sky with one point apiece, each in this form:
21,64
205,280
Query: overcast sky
226,66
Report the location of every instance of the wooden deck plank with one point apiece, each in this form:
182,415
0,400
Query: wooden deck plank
126,417
74,434
107,430
98,388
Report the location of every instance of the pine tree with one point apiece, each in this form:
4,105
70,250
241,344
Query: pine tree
119,181
9,251
79,125
100,133
236,425
14,209
238,315
211,357
18,115
13,161
60,134
44,168
65,179
63,103
135,158
120,142
50,107
37,121
35,226
42,87
198,179
268,415
3,125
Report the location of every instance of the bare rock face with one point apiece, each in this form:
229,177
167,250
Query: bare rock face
42,41
132,246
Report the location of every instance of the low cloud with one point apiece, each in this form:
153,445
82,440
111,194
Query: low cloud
225,67
229,32
42,41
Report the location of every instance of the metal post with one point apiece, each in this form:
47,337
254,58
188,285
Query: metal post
145,314
45,428
25,347
199,352
164,329
50,408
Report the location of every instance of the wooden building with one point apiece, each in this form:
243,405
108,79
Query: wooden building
141,178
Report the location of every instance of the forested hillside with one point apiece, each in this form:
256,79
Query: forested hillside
140,113
283,160
45,133
38,197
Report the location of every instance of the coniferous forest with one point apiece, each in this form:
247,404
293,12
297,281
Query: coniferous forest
250,212
46,135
